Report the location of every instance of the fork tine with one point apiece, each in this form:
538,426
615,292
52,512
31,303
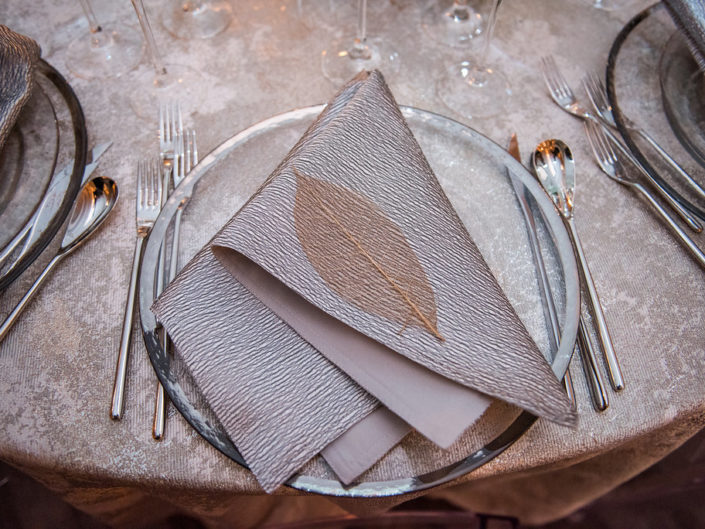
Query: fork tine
179,117
195,147
159,187
162,116
140,184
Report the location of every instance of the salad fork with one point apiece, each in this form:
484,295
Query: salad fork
149,197
597,94
612,166
185,156
564,97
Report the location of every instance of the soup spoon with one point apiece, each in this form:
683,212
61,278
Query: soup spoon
555,168
94,202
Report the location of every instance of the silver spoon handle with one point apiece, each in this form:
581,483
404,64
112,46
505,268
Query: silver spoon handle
118,403
674,164
613,368
29,295
683,213
675,228
592,373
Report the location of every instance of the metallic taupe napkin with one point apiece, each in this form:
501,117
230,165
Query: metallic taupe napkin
423,298
279,400
356,225
689,16
18,56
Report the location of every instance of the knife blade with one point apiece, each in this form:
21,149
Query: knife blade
47,208
544,286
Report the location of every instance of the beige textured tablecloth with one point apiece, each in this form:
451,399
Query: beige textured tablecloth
57,365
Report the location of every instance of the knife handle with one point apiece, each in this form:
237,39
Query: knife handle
592,374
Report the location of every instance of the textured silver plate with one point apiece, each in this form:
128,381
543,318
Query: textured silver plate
473,171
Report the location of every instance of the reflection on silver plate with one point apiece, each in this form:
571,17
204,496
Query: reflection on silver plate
683,94
634,90
473,172
49,135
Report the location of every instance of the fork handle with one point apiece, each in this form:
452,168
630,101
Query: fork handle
683,213
118,403
675,228
674,164
613,369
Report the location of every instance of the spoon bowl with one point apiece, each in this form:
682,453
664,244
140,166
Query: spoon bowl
555,168
94,202
92,206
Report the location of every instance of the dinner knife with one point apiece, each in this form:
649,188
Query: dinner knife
544,287
47,208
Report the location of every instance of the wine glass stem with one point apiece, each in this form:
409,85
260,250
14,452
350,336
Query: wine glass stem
461,10
482,59
90,15
360,49
154,54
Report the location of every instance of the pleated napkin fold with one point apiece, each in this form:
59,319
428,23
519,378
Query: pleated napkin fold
18,56
689,16
347,280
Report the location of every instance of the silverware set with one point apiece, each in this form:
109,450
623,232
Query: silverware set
555,169
178,153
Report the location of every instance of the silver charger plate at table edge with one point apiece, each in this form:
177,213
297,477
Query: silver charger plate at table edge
80,143
220,440
622,40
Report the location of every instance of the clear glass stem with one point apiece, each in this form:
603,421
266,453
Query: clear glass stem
154,54
90,15
482,59
461,10
359,49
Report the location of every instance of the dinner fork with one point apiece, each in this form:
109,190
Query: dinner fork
612,166
185,156
595,89
170,124
149,196
563,95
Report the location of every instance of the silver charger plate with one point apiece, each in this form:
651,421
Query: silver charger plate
49,135
634,88
474,173
683,95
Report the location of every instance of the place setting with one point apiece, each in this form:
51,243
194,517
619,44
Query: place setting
362,298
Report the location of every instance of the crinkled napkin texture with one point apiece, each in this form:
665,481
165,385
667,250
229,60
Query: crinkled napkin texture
18,56
689,16
353,224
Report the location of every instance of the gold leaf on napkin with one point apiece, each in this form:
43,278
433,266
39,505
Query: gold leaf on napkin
361,254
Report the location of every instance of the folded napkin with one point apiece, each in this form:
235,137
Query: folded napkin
689,16
349,269
18,56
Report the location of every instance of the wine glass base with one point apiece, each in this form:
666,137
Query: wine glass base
611,5
472,91
442,24
178,84
339,65
197,20
108,53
